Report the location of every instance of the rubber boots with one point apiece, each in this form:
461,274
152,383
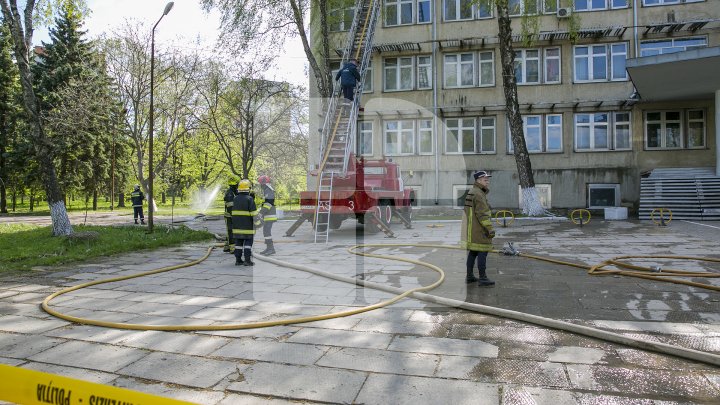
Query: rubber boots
270,248
238,257
484,281
470,277
142,222
248,257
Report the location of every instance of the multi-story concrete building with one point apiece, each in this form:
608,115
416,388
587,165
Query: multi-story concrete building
609,90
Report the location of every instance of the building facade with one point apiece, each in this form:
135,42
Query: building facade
433,98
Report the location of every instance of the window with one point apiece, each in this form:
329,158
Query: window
424,12
667,129
487,68
552,65
487,135
662,2
455,10
425,137
527,66
591,5
544,192
600,62
543,133
603,195
341,18
398,73
602,131
424,72
365,138
459,70
459,194
399,137
671,45
368,80
485,10
398,12
460,135
550,6
520,7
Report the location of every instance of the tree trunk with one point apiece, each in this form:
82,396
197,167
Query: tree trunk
531,201
163,198
95,200
32,202
21,33
121,200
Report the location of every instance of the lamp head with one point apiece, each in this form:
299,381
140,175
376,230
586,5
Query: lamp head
168,7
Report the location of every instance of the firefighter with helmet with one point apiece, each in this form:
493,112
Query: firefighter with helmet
137,198
244,220
268,214
229,197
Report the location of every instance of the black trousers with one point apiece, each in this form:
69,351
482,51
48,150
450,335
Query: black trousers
243,246
481,258
138,211
348,92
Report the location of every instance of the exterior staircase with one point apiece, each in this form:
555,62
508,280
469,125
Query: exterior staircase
690,193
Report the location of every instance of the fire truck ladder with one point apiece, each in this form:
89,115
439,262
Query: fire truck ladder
338,132
322,212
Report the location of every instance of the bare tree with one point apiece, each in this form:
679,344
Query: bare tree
21,30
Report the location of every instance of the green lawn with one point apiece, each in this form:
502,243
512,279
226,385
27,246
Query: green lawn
23,246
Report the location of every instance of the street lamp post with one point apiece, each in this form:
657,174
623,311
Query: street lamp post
151,131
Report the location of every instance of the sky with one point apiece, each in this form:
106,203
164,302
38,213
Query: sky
186,21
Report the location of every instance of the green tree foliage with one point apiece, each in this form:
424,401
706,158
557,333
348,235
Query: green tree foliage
10,114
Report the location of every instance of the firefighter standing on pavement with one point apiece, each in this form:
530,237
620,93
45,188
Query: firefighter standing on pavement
229,197
137,198
244,212
268,214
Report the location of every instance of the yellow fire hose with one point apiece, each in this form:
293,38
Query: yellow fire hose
418,293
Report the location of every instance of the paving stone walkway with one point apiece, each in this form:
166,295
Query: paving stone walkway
412,352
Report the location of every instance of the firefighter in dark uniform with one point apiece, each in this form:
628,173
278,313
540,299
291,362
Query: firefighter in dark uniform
267,214
137,198
244,212
229,197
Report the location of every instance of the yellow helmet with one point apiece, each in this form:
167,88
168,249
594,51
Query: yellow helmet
244,185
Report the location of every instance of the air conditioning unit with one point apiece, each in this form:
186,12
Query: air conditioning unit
564,12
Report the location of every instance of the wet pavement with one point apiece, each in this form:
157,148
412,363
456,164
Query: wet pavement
410,352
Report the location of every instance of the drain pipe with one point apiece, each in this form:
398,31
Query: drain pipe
435,102
636,39
717,132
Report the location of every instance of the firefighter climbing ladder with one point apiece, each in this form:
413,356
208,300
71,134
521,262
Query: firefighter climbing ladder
338,132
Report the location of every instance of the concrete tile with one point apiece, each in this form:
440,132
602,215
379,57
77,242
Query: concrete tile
181,369
409,328
577,355
160,309
90,355
21,309
342,338
92,333
11,362
520,372
407,390
228,314
183,394
98,377
455,347
271,351
300,382
238,399
21,324
23,346
381,361
175,342
515,394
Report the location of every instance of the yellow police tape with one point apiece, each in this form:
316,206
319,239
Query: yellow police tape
23,386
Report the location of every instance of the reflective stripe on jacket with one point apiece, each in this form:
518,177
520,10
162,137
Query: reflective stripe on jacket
137,198
477,225
229,196
243,216
267,209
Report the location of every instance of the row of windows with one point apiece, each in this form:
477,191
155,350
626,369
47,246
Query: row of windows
599,195
405,12
593,132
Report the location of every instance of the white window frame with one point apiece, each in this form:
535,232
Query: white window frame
425,127
544,192
596,186
458,7
683,124
398,68
484,62
546,67
398,6
482,126
458,68
592,126
342,11
430,11
521,60
607,5
429,68
543,127
362,133
608,55
613,123
676,43
368,81
479,8
403,132
461,128
458,191
521,8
